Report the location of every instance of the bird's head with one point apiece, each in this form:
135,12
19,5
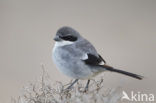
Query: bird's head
66,35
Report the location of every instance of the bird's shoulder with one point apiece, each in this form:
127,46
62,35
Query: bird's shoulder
90,55
86,47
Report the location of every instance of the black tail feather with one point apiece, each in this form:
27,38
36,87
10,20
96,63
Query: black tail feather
124,72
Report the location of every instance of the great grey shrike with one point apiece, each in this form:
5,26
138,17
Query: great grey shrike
77,58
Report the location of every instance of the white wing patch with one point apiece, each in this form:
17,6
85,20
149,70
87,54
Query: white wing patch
101,63
84,57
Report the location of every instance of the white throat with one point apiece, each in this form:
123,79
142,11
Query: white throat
63,43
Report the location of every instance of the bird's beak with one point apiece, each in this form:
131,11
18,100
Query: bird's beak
57,38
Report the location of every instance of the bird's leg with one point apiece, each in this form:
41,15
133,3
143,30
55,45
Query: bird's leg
76,80
87,85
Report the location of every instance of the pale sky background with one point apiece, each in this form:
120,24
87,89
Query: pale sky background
123,31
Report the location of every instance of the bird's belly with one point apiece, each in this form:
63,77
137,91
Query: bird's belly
71,67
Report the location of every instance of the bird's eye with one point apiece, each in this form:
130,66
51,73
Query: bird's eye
69,38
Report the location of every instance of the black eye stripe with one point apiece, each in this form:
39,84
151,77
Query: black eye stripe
69,38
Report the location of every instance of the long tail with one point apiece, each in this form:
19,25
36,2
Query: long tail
109,68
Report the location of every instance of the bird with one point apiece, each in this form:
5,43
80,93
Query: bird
77,58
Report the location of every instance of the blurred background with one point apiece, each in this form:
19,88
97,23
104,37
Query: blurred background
123,31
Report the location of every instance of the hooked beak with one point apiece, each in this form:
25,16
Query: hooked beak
57,38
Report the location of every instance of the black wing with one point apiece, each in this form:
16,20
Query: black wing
94,60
